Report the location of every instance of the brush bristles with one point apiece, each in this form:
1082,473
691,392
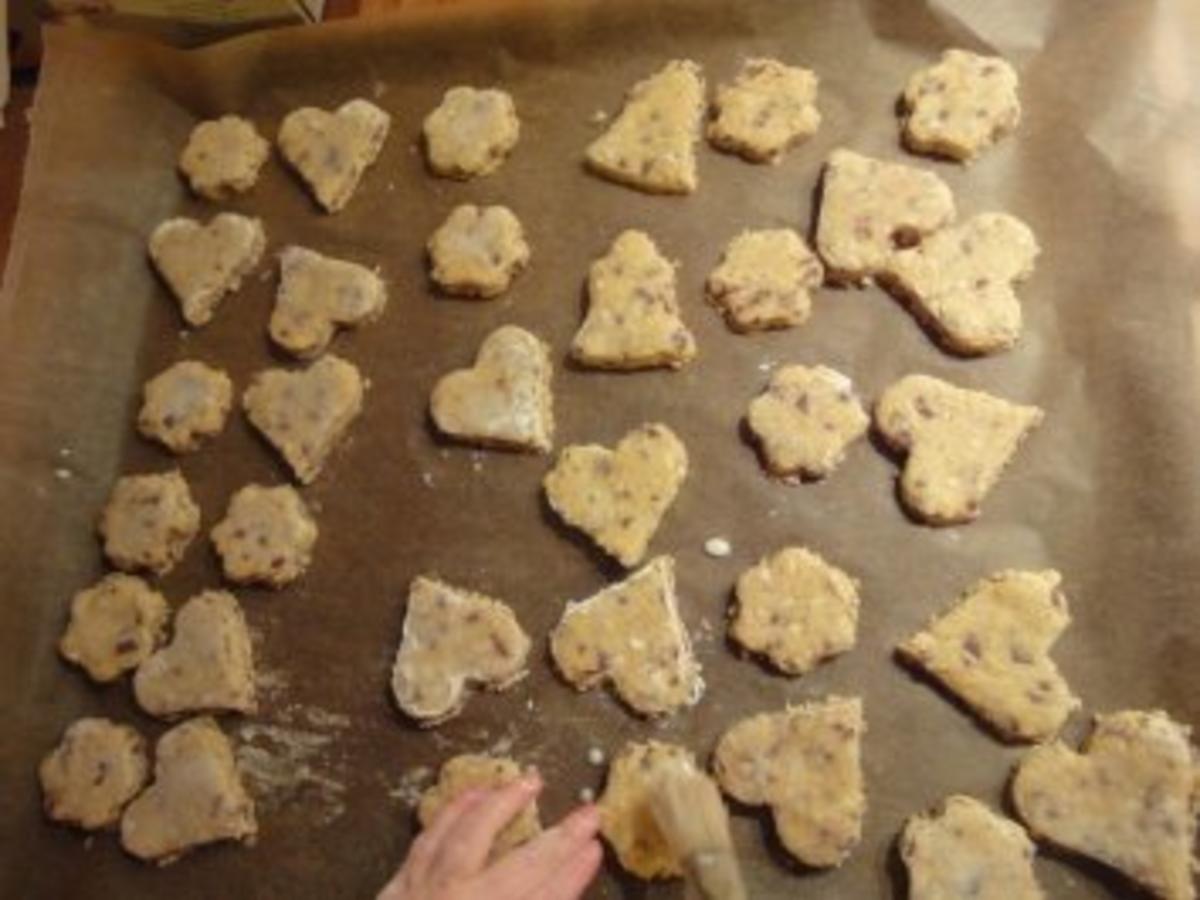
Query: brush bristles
688,809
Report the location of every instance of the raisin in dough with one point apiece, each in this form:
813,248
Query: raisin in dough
763,280
651,145
618,497
1129,799
805,420
633,319
184,404
478,251
804,763
222,157
627,821
992,650
207,666
472,771
962,849
115,624
504,400
317,296
471,132
796,609
332,150
960,106
957,441
454,640
959,282
203,263
869,209
197,797
768,108
266,537
96,769
630,635
148,522
305,414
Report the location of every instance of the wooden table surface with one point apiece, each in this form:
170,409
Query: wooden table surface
14,137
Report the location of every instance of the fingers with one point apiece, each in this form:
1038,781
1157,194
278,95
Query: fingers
469,840
526,869
425,848
574,877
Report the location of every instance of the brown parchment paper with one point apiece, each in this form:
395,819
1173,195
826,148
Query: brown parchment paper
1104,168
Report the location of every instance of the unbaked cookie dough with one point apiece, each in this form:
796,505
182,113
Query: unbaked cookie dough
197,797
619,497
959,282
115,624
96,769
148,522
472,771
223,156
201,263
478,251
804,763
207,667
504,400
870,209
768,108
651,145
305,414
633,319
331,150
266,537
184,404
805,420
992,650
957,443
317,296
962,849
454,640
1128,800
960,106
795,609
626,819
763,280
471,132
631,636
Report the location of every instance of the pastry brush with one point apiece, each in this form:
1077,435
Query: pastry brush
691,816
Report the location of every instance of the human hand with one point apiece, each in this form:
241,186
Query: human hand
449,859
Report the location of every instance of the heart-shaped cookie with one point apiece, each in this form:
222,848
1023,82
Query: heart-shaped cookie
317,296
454,640
631,635
304,414
203,263
504,400
633,319
959,282
1128,800
197,796
208,666
332,150
870,208
804,763
618,497
958,442
992,649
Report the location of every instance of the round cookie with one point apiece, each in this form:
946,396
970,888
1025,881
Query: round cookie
478,251
96,769
115,624
471,132
763,280
266,537
149,522
222,157
765,110
184,404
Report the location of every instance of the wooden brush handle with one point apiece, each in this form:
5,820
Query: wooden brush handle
714,875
